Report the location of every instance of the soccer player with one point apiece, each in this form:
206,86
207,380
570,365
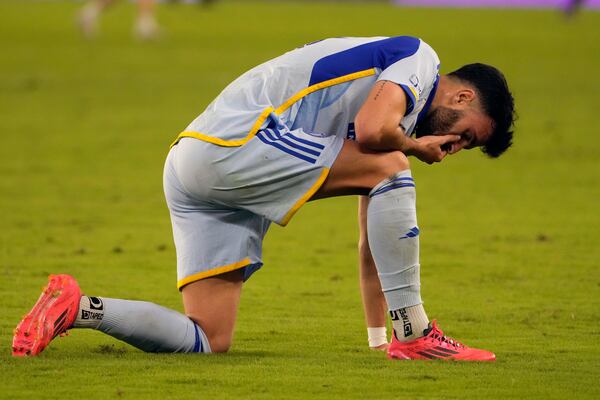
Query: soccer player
145,27
329,119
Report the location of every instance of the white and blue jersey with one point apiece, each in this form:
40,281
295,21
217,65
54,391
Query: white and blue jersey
319,88
268,141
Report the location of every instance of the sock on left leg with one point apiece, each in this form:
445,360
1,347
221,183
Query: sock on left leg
147,326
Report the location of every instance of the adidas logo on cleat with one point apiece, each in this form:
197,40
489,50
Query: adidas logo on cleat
439,352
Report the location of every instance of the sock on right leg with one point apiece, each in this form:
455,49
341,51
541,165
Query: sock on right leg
394,242
409,322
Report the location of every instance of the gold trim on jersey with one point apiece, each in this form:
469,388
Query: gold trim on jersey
279,110
305,197
414,92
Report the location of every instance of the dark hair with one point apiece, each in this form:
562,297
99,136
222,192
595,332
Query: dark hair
497,103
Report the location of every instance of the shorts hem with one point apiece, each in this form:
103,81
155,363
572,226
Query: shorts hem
288,216
213,272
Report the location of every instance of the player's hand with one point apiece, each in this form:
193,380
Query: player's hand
434,148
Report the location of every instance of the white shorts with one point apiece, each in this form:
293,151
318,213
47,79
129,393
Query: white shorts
222,199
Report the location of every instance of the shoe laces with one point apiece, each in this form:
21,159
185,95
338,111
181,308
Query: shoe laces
438,336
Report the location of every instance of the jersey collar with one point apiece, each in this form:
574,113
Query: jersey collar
429,100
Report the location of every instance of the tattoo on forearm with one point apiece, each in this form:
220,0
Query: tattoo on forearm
380,89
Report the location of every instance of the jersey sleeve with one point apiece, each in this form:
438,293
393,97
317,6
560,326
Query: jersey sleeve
414,74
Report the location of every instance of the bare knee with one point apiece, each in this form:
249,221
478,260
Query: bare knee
220,343
212,303
385,166
391,163
219,338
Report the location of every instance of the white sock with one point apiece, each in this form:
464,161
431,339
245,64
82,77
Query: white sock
394,241
88,19
147,326
409,323
146,27
91,311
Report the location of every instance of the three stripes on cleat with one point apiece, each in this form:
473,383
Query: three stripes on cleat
440,352
58,324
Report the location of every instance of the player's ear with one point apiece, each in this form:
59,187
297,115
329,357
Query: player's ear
464,96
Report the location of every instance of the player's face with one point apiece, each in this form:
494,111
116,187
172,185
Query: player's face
472,125
440,119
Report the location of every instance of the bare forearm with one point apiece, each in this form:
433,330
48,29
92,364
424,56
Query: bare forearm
387,141
393,141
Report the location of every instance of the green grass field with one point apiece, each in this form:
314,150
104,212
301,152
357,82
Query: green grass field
509,247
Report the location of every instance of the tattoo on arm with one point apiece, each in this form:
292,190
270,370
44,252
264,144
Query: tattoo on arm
380,89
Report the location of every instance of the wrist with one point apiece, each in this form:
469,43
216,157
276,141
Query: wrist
409,146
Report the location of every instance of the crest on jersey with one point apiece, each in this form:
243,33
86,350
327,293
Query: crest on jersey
414,80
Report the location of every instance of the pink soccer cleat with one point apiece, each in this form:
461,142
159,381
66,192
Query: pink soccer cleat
53,313
435,346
